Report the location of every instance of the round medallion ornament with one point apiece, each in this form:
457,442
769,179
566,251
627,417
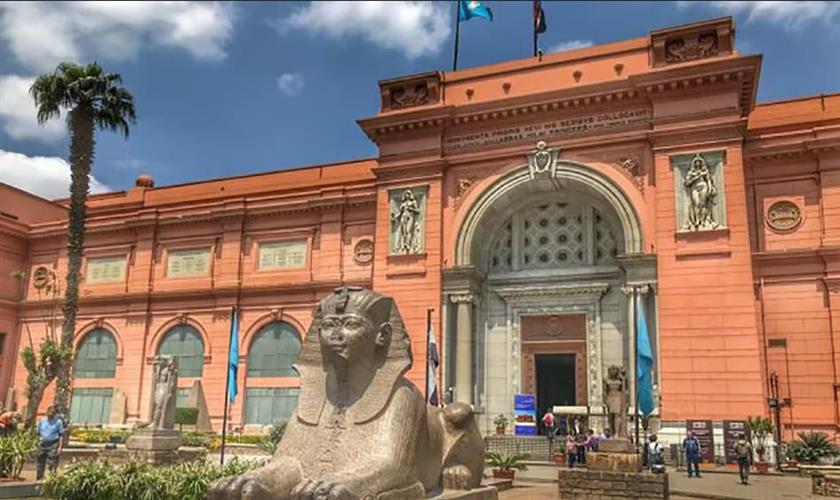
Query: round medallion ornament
363,251
41,278
783,215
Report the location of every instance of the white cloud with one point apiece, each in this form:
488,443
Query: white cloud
415,28
290,83
45,176
42,34
18,115
570,45
790,15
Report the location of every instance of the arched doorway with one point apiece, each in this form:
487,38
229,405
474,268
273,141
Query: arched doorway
535,301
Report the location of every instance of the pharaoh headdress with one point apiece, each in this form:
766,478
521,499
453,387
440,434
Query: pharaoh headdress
392,362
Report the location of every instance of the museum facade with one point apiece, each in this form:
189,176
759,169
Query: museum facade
527,205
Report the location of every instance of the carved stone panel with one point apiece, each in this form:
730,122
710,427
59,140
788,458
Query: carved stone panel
691,47
543,161
363,251
783,216
553,327
408,220
418,90
699,188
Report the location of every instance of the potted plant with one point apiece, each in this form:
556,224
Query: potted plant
500,422
810,448
505,465
559,456
760,430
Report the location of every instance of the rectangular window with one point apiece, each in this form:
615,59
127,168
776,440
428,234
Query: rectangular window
2,343
91,406
183,395
105,270
181,263
269,405
283,255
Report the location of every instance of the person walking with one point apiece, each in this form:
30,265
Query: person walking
591,441
743,451
50,431
571,450
691,446
549,424
655,460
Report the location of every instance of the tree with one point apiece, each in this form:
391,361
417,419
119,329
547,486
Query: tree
93,100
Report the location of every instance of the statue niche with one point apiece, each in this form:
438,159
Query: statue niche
361,429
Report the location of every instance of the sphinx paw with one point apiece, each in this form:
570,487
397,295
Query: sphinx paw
310,489
457,477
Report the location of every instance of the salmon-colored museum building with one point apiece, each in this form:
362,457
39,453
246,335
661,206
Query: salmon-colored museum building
525,203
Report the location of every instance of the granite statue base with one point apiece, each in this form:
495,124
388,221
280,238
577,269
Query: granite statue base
480,493
158,440
613,462
579,484
615,445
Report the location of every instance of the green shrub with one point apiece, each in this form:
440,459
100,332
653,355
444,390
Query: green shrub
186,416
506,461
196,439
270,440
15,451
138,480
811,447
99,435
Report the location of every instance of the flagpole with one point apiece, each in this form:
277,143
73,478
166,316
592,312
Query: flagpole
428,329
636,361
227,389
457,35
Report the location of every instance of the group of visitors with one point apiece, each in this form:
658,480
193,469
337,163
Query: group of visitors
50,433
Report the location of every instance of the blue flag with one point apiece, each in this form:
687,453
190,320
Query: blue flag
233,356
470,9
432,363
644,361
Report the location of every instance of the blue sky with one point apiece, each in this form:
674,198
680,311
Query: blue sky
228,89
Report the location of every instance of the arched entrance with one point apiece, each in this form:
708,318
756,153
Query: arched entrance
535,301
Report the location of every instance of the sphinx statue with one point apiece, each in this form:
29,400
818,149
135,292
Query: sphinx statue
361,429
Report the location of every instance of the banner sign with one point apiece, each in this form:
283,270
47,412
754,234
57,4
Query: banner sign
525,414
704,432
732,430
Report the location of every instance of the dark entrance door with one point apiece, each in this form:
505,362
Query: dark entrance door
555,381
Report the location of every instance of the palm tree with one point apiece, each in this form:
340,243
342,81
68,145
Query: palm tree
93,100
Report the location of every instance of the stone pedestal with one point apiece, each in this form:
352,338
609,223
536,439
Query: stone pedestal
578,484
615,445
145,439
613,462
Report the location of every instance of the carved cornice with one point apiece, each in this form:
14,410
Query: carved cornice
595,290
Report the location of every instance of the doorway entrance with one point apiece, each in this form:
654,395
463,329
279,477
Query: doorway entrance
555,380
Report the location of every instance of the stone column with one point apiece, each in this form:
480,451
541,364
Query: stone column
464,347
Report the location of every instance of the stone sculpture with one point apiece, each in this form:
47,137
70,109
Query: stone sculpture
165,388
701,193
615,395
406,238
361,430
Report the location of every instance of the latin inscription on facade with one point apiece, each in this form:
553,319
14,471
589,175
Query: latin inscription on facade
182,263
698,184
283,255
566,127
408,220
105,270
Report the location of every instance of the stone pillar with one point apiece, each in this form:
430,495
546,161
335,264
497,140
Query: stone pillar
464,347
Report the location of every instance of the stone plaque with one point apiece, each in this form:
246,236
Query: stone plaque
182,263
566,127
408,220
283,255
783,215
698,184
105,270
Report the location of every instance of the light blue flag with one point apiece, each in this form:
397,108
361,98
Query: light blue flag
233,357
644,360
470,9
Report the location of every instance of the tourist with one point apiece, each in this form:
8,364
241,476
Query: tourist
9,421
743,451
571,450
549,423
50,430
591,441
691,446
580,445
654,455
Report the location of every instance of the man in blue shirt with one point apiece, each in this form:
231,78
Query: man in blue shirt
691,445
50,430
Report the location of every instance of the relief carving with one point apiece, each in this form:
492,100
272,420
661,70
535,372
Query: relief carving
543,161
464,185
408,96
691,47
783,215
414,91
363,251
407,221
699,190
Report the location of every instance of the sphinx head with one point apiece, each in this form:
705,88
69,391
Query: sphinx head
355,326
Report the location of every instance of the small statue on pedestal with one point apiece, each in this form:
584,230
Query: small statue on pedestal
615,395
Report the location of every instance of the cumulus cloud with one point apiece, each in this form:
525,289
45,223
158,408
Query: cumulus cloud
17,112
290,83
45,176
415,28
570,45
790,15
42,34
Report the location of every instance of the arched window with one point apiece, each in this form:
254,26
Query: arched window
97,355
273,351
184,342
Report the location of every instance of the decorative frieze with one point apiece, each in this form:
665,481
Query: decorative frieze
691,47
783,216
408,220
418,90
699,188
692,42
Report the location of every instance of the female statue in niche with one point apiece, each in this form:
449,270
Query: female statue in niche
406,237
701,190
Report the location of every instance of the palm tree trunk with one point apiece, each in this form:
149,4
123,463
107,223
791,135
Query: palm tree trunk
82,146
